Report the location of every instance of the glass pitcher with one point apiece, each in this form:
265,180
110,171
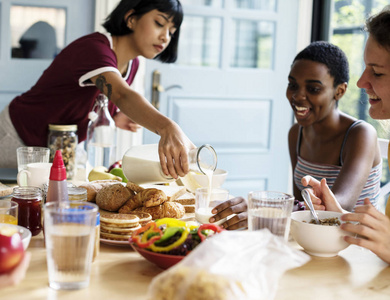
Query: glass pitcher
141,164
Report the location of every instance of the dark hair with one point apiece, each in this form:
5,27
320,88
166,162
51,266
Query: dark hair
378,26
329,55
116,24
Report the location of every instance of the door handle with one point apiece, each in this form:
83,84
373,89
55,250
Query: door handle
157,88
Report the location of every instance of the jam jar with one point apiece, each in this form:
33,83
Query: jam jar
29,201
64,138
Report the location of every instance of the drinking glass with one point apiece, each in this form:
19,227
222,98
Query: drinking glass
272,210
8,212
70,237
29,155
206,200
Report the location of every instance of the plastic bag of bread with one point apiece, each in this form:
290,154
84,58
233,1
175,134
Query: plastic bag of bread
241,265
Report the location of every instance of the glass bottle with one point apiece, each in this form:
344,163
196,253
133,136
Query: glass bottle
101,136
141,164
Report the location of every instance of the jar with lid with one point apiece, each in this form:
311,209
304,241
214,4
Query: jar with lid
141,164
29,201
64,138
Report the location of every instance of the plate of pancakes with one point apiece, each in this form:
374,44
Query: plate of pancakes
116,229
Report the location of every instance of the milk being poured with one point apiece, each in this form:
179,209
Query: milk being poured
141,164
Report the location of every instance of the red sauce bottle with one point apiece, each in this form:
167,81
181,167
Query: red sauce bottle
29,201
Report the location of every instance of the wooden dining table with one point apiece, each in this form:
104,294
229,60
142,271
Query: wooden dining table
121,273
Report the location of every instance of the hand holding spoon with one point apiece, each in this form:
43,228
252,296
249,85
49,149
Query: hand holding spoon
306,197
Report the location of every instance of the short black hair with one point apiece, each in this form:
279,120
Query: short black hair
331,56
116,24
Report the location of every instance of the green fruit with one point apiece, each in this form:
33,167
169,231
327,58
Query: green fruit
119,172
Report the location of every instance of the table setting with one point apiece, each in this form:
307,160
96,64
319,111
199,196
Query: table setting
128,245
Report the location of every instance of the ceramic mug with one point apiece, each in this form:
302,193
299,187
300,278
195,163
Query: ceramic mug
35,174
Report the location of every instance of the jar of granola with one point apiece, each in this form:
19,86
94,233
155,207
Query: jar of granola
64,138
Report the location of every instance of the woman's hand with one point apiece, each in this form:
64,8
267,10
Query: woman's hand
321,195
236,206
173,151
373,229
124,122
17,274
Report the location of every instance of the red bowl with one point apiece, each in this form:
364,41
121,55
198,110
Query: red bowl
164,261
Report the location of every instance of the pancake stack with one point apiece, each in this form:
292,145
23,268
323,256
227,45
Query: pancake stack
120,227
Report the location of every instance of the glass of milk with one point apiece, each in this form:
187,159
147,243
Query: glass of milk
205,200
271,210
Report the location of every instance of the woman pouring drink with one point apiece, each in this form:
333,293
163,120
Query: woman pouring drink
103,63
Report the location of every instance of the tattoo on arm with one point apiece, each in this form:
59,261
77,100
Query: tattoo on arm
103,86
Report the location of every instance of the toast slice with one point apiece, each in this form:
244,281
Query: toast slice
5,190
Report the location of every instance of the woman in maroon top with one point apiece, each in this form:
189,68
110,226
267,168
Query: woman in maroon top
103,63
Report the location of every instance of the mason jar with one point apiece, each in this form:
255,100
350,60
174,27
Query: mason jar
64,138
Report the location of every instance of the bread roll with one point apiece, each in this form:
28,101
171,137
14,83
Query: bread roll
112,197
146,197
94,186
166,210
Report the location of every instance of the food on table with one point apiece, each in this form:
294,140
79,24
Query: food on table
134,187
64,138
5,190
165,210
101,173
144,218
11,249
112,197
146,197
172,236
327,222
95,186
194,285
188,202
134,199
118,227
119,172
117,164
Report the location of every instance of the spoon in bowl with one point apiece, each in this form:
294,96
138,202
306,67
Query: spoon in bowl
306,197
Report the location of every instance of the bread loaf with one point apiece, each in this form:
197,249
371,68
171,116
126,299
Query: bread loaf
112,197
94,186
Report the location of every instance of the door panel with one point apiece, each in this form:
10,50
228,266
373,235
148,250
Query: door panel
234,58
19,74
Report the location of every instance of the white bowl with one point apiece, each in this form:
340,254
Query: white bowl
219,178
318,240
24,232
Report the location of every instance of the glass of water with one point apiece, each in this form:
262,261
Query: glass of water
70,238
272,210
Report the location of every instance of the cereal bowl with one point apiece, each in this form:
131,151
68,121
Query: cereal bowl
318,240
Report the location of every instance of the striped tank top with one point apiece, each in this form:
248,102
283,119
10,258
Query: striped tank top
330,172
